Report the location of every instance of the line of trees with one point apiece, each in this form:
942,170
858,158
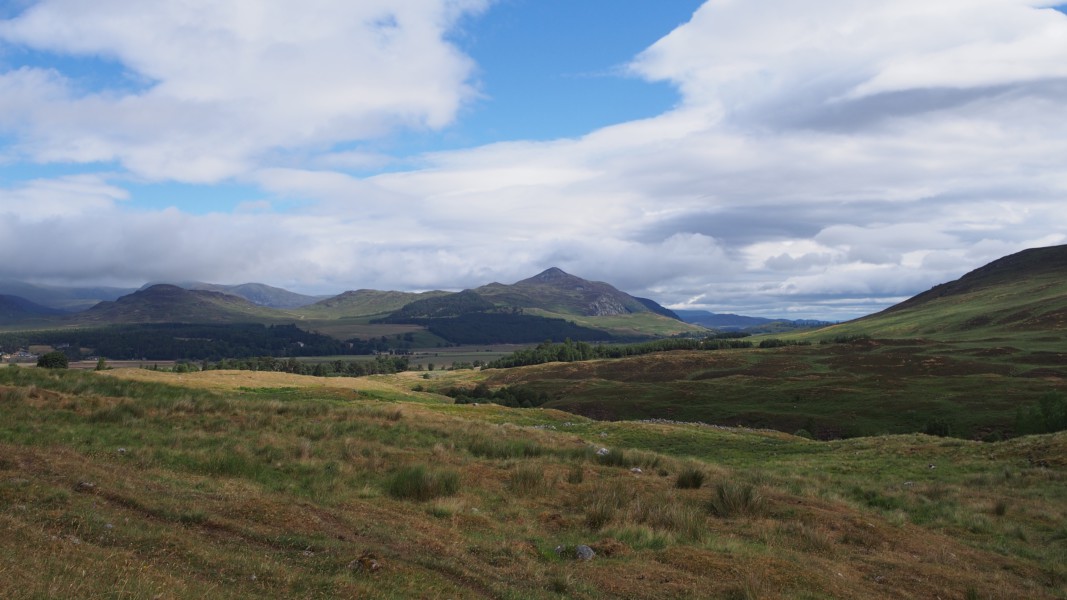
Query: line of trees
571,351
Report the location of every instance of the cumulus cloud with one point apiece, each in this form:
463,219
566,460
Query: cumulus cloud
217,85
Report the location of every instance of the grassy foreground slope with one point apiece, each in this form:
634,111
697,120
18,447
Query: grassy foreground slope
229,485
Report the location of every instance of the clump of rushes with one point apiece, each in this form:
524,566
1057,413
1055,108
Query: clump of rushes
736,500
528,479
419,483
690,478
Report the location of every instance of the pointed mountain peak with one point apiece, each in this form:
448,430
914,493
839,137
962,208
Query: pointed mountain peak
552,274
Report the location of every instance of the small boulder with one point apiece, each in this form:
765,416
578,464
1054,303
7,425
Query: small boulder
367,562
603,452
584,552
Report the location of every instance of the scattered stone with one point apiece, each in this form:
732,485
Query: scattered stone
603,434
85,486
308,553
253,577
636,470
932,466
561,550
108,526
584,552
909,483
367,562
603,452
122,451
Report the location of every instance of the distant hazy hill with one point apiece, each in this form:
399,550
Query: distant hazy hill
69,299
172,304
256,293
363,303
720,320
1023,292
14,309
732,322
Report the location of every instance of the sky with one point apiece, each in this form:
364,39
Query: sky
820,159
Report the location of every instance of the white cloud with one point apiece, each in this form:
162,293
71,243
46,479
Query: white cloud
73,196
224,83
828,158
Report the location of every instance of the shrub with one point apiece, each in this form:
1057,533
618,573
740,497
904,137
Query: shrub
417,483
690,478
53,360
736,500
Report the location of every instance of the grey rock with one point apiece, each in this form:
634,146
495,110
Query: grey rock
584,552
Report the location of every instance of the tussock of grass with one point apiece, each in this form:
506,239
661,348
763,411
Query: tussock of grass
690,478
504,448
629,459
419,483
528,479
604,504
668,514
576,474
732,500
806,538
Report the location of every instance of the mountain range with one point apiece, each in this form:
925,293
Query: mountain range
1024,290
550,305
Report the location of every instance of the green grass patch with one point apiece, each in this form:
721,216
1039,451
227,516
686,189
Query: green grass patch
421,484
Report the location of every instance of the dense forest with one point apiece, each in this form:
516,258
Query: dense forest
179,341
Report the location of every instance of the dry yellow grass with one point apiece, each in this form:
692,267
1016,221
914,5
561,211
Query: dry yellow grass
235,380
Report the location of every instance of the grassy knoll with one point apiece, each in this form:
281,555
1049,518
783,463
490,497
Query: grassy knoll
249,485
